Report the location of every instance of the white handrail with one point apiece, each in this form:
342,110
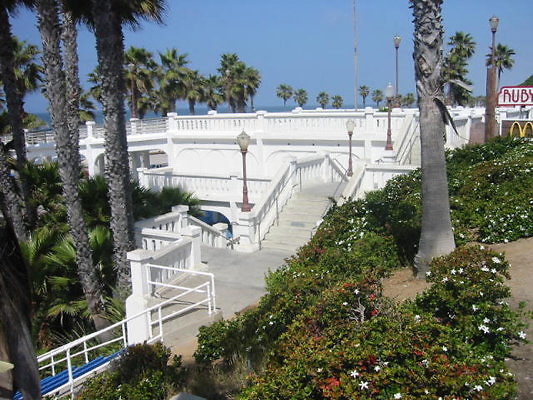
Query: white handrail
69,355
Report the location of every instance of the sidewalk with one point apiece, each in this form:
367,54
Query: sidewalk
239,283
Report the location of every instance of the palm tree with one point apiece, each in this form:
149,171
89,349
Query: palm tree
252,81
15,308
284,92
228,62
213,90
436,237
108,17
322,99
455,66
172,71
65,119
336,101
504,58
408,100
139,68
364,91
14,100
300,97
193,89
377,96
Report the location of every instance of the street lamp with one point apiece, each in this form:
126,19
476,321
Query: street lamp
490,109
350,125
244,140
397,40
389,93
131,67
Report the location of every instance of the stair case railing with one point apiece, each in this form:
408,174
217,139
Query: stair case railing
76,357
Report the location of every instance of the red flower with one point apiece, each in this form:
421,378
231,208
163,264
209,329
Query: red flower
372,296
374,312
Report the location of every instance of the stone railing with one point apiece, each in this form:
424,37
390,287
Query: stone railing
252,226
204,187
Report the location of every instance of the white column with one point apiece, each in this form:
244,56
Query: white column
195,234
138,328
172,121
90,126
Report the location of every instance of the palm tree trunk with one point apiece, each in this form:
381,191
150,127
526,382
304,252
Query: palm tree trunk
10,200
15,322
436,237
67,146
15,108
110,49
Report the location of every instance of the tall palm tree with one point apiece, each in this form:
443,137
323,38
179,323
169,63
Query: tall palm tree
364,91
377,97
228,63
284,92
14,106
213,92
300,97
323,99
504,58
455,66
15,314
336,101
172,71
108,17
252,81
65,119
436,237
192,89
139,75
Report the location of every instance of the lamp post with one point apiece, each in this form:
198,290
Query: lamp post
397,40
244,140
350,125
490,109
389,93
131,67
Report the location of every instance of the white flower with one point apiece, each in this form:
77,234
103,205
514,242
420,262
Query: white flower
417,318
397,395
493,270
345,304
319,370
356,291
474,307
363,385
444,348
484,328
479,388
522,335
445,279
491,381
461,270
426,391
428,273
377,368
425,362
453,271
496,260
354,373
485,269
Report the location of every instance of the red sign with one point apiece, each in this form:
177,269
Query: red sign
515,96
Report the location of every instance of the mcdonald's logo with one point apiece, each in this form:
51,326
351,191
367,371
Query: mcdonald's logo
522,130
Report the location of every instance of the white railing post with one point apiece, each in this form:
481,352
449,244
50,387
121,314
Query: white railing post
90,127
138,328
195,234
220,241
183,217
172,121
134,123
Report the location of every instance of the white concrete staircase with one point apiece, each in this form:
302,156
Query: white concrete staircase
300,216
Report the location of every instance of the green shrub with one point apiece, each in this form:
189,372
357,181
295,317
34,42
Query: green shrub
468,295
144,372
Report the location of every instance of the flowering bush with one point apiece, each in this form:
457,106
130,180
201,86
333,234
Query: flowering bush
468,295
355,344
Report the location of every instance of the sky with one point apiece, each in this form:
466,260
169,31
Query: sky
309,44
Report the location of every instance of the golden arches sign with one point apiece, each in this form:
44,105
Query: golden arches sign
521,130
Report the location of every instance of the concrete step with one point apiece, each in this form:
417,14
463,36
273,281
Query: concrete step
289,235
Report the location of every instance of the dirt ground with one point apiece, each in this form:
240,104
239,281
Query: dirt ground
402,285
